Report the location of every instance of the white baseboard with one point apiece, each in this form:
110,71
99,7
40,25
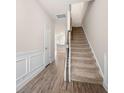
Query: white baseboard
97,62
105,86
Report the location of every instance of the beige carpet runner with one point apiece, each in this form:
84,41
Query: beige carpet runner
83,67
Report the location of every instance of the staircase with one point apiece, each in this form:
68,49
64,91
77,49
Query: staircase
83,64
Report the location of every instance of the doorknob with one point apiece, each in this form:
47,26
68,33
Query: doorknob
46,48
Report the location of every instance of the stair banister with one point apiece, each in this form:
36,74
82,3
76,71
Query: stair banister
67,72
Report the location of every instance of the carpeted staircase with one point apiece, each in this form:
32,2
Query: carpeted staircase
83,66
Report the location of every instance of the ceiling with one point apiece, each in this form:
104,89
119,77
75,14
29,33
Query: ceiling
56,7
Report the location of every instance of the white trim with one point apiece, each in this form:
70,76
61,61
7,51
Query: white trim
26,72
69,56
23,54
97,62
105,86
105,83
65,70
70,64
29,69
46,32
23,80
38,65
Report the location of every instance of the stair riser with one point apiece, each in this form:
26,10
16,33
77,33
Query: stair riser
84,61
77,37
80,33
82,76
79,43
83,55
90,61
85,67
77,31
87,80
90,69
80,50
80,47
79,40
86,74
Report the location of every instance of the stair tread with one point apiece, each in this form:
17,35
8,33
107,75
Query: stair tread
86,74
83,60
74,47
80,50
86,80
84,67
80,47
80,44
82,53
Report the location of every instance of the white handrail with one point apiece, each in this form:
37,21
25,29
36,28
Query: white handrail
69,57
67,70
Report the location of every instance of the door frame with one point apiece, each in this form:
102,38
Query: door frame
46,41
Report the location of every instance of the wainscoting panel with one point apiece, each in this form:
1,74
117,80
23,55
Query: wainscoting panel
28,65
21,63
36,61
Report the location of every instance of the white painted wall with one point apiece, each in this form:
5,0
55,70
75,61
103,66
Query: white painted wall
52,42
77,13
60,28
30,20
30,28
95,25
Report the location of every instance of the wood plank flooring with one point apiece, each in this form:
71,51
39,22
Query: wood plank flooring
51,80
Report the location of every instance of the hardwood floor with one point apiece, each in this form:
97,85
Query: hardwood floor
51,80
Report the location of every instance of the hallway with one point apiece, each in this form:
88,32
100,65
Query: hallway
51,80
54,54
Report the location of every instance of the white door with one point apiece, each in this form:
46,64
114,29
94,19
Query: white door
46,45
